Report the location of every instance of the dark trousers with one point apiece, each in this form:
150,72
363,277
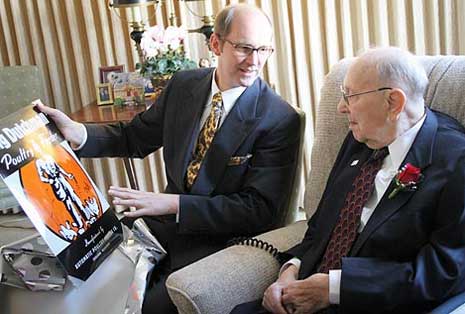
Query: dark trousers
157,300
253,307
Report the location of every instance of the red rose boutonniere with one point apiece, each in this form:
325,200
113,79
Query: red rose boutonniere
407,179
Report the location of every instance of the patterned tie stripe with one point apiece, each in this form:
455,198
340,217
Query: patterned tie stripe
345,232
205,139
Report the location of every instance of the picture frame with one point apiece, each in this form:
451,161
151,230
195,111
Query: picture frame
149,90
105,70
104,94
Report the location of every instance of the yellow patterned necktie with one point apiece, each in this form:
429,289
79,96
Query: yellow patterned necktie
205,139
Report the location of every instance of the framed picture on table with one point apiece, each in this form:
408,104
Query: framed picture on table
104,94
105,72
149,91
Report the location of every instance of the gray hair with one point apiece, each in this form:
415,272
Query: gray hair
225,17
399,68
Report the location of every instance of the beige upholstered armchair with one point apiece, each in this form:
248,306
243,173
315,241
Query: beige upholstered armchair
238,274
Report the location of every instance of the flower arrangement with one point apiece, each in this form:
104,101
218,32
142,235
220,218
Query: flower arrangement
163,52
407,179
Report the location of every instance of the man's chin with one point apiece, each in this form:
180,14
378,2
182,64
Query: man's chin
247,81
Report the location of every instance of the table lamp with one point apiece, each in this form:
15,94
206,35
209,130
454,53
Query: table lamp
207,18
135,18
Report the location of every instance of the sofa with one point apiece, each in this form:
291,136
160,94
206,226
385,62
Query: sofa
240,273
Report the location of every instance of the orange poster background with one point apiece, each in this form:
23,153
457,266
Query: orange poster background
52,211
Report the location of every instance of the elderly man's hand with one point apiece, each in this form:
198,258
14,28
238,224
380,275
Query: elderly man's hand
146,203
309,295
272,298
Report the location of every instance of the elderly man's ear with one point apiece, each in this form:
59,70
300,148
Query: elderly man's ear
396,100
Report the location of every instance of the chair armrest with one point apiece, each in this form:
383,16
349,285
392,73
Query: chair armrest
217,283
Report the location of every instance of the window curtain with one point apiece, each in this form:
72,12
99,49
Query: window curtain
70,39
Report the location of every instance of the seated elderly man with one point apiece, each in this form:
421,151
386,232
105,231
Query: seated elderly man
388,235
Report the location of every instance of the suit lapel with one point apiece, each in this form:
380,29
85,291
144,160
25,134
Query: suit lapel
420,155
187,125
240,121
333,204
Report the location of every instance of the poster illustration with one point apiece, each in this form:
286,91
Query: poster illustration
55,191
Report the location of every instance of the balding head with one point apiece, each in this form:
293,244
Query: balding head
397,68
383,95
225,17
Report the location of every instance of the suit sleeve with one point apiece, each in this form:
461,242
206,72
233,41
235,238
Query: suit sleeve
255,207
434,274
305,245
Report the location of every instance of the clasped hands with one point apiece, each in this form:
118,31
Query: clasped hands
146,203
291,296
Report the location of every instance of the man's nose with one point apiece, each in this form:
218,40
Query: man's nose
342,106
253,57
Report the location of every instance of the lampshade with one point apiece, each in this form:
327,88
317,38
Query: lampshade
132,3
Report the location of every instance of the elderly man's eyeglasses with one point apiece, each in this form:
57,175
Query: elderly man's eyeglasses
244,50
346,97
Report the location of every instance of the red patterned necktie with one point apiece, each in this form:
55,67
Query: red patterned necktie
345,232
205,139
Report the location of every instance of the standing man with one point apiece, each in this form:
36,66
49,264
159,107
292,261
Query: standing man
389,233
229,144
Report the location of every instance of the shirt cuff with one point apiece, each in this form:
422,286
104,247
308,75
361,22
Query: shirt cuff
84,139
335,286
293,261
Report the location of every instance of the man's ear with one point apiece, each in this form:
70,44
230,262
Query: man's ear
396,100
215,44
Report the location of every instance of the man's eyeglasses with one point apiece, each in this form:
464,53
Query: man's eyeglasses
244,50
346,97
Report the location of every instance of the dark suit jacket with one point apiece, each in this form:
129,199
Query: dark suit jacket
225,200
411,254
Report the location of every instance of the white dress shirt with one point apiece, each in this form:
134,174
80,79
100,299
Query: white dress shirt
398,150
229,97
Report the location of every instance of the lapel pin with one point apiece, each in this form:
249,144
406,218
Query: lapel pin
354,163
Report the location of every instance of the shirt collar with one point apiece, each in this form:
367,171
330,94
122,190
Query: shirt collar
401,145
229,96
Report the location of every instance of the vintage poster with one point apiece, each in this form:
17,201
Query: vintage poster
52,187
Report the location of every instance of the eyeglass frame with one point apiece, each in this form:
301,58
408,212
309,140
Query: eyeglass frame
346,97
246,46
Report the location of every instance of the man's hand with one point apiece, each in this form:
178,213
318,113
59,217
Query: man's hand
272,298
309,295
74,132
146,203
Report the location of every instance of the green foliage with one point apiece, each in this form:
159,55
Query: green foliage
166,63
119,101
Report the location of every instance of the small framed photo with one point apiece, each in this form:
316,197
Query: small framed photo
149,91
104,94
105,72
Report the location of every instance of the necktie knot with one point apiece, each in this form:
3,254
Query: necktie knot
380,154
217,99
217,105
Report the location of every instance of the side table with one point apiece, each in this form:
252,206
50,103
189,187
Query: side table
93,113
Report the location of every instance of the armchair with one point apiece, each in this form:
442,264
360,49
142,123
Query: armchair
239,274
19,85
